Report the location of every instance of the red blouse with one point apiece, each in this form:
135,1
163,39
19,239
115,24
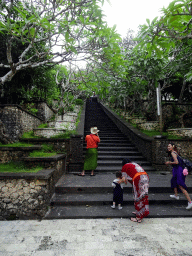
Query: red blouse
92,141
131,169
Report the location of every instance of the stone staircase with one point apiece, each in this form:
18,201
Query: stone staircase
91,197
114,145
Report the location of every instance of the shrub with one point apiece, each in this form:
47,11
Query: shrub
79,102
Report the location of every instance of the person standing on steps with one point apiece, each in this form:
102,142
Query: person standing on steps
117,191
178,179
135,174
91,155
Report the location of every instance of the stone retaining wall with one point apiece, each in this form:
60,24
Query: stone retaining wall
44,111
23,198
48,132
27,195
8,154
17,120
181,132
149,126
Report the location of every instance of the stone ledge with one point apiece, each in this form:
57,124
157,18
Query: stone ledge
28,148
43,174
45,159
43,139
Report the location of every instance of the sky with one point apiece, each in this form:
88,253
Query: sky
132,13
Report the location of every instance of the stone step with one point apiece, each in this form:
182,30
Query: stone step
114,169
114,139
118,153
101,183
107,198
115,148
105,211
118,162
120,157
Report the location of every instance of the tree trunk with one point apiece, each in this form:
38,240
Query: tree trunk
182,92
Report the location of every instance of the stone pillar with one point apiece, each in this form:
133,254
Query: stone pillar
159,149
76,154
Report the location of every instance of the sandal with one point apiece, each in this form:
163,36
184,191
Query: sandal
136,220
81,174
92,175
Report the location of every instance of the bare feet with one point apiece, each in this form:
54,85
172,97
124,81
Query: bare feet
136,220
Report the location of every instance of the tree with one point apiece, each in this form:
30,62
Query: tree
73,26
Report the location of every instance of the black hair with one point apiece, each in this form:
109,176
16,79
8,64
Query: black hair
174,148
126,161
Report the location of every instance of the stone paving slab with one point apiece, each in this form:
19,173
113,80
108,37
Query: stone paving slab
97,237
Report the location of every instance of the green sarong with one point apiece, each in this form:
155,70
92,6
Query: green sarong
90,162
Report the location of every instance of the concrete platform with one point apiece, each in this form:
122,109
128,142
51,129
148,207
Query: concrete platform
97,237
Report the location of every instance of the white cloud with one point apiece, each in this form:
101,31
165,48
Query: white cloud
132,13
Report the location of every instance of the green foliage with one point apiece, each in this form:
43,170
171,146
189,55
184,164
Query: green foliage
47,150
71,108
17,167
17,144
66,135
32,109
27,135
41,154
43,126
79,102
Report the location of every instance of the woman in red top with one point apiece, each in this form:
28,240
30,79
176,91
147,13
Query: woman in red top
91,155
135,174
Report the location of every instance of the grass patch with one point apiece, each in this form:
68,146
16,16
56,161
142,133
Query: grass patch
155,133
17,167
43,126
17,144
46,151
65,135
42,154
28,135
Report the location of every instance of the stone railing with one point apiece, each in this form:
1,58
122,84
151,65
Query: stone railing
76,145
153,148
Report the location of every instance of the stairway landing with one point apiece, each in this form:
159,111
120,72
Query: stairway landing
79,197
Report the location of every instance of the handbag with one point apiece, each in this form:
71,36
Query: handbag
185,171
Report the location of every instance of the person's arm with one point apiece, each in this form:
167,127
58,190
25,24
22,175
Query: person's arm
98,137
123,180
130,180
175,161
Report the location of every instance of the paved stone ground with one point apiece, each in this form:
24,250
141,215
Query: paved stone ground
97,237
